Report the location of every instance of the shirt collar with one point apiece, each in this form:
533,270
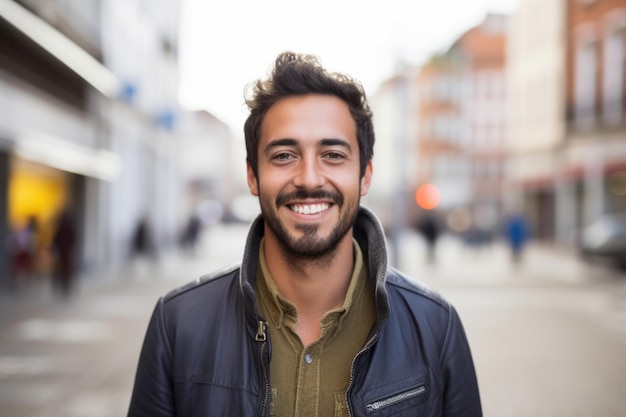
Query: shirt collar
282,310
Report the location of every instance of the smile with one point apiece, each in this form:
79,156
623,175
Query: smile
309,208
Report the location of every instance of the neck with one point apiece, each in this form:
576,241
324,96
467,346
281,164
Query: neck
314,286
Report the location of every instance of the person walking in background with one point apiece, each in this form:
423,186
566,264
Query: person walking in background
430,230
191,233
23,247
142,238
143,247
64,242
313,322
517,235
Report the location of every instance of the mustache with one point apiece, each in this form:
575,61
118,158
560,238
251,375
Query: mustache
300,194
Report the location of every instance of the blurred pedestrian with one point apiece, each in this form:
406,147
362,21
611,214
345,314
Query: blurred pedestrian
191,233
141,244
517,235
143,248
23,247
313,322
64,252
430,230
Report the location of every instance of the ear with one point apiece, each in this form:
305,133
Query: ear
253,184
366,180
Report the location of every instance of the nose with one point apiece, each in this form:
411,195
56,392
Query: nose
309,173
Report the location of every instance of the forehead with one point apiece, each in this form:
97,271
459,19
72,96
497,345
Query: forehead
311,117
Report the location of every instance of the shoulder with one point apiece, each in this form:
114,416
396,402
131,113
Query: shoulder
202,295
411,301
196,321
421,318
418,295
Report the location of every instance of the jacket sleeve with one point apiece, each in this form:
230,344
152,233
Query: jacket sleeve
153,390
461,394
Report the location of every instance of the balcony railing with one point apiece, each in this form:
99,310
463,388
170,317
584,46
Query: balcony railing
601,117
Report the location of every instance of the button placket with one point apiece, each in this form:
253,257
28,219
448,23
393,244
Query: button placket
308,386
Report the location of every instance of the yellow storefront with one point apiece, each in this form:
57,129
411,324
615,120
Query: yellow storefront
40,192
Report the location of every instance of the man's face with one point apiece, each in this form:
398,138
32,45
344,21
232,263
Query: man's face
308,174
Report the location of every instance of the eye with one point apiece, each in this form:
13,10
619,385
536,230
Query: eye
282,157
334,156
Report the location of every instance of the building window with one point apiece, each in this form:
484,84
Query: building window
479,169
614,65
482,84
426,128
585,82
442,167
495,169
442,89
483,136
442,128
498,85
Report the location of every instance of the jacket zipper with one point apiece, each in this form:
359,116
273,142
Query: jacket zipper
369,343
261,337
377,405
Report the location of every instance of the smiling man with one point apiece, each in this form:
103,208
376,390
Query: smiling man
308,159
313,322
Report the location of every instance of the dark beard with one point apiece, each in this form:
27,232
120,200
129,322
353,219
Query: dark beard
309,246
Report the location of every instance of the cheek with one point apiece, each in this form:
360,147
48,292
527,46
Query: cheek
267,189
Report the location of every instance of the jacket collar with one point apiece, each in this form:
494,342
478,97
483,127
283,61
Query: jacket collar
368,233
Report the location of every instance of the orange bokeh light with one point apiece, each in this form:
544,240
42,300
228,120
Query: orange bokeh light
427,196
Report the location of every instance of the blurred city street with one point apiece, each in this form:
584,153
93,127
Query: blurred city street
124,139
548,335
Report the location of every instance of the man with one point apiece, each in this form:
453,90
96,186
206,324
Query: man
313,322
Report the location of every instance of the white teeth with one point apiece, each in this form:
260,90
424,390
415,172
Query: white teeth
310,208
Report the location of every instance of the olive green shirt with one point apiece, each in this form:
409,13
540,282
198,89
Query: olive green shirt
312,381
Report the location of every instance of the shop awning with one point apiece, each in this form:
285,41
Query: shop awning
64,155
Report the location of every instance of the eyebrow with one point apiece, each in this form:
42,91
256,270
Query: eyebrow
336,142
293,142
280,142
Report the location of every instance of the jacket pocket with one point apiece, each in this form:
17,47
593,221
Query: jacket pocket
399,401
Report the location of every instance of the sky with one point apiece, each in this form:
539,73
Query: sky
225,46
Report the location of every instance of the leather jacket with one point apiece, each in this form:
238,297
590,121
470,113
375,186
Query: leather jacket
207,351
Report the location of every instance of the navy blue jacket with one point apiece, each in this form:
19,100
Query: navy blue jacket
207,351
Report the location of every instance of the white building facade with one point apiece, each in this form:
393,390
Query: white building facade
90,115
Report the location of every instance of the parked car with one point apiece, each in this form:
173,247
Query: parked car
605,238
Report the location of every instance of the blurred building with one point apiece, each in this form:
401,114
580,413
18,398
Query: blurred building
90,121
594,159
568,79
462,123
445,123
443,160
205,160
395,158
536,78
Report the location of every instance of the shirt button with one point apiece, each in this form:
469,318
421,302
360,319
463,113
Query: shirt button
308,359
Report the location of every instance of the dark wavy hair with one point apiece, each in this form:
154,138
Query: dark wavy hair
299,74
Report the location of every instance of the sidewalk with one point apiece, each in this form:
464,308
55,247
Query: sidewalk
462,270
491,264
76,357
